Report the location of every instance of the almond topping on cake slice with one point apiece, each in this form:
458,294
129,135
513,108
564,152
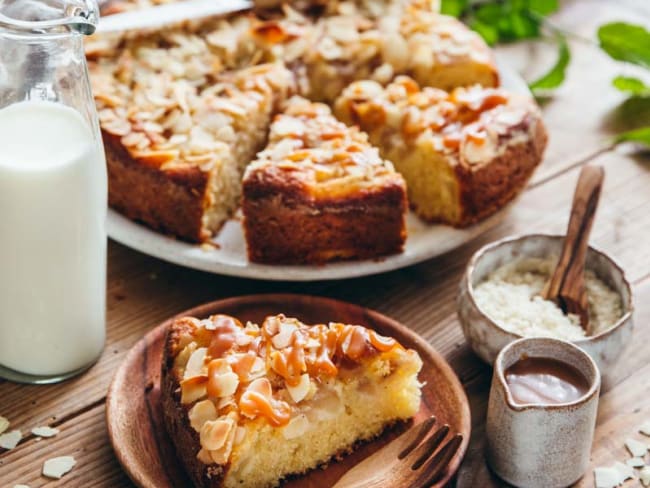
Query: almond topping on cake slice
463,154
321,390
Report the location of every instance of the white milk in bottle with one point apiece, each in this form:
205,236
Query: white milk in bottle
52,240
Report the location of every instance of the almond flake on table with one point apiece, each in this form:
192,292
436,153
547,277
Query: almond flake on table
45,431
645,428
635,462
4,424
10,439
58,466
611,477
636,448
644,475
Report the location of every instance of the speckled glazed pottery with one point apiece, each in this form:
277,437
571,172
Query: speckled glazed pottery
487,338
541,446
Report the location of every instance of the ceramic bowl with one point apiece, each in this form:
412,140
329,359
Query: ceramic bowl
534,445
487,338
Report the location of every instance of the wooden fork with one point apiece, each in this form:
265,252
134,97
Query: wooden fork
407,461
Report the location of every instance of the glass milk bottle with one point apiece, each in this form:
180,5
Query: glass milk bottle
53,191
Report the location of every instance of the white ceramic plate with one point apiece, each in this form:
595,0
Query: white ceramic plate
424,241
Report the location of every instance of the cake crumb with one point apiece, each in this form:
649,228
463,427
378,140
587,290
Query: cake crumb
57,467
10,439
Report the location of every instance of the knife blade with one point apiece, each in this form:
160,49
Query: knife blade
170,13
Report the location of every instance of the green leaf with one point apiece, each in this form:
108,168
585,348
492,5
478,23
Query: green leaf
543,7
641,136
633,86
489,13
523,26
626,42
489,33
515,4
455,8
555,76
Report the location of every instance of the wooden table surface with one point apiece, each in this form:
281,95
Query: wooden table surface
143,291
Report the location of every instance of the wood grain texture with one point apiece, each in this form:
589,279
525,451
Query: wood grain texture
134,415
143,291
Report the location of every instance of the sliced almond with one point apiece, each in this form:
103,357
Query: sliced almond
201,413
300,391
635,462
626,472
222,455
58,466
214,433
607,477
636,448
195,363
644,476
285,335
45,431
226,384
10,439
4,424
193,389
645,429
204,456
226,402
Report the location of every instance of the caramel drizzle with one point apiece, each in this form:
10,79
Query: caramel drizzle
225,335
315,350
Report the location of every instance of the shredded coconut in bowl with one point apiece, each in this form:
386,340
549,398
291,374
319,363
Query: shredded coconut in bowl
510,297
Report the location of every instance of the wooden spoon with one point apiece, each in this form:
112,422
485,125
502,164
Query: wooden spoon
567,284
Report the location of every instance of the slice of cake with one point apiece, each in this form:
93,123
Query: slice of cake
463,154
436,50
320,191
249,405
177,142
376,41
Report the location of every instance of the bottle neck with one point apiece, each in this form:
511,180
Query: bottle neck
48,17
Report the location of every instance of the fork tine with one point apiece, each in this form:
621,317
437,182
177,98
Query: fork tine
430,446
423,430
441,460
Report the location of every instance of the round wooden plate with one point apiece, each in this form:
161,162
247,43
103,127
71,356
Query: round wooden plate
134,416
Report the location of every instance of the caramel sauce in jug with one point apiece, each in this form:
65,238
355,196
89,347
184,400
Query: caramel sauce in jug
545,381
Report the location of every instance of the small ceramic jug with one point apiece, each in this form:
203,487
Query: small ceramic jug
541,446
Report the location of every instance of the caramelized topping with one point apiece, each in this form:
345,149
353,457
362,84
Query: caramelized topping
307,140
225,337
258,401
474,116
260,372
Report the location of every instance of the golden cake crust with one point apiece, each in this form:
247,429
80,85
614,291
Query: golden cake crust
171,201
